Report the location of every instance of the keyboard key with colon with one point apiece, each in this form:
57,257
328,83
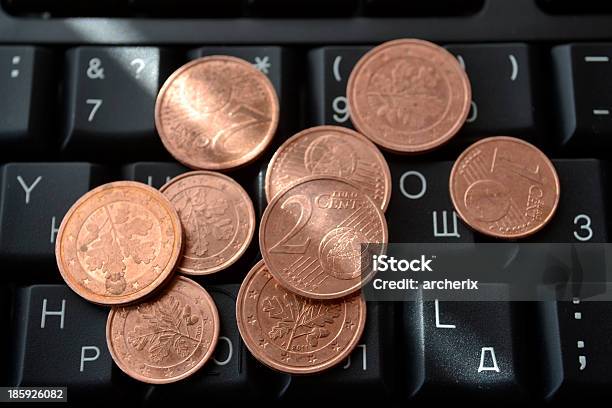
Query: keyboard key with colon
576,335
584,90
27,86
231,374
330,68
366,375
35,197
504,101
110,101
59,340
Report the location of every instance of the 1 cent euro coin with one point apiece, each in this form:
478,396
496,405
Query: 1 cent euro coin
216,113
408,95
218,220
504,187
295,334
330,151
118,243
167,338
316,234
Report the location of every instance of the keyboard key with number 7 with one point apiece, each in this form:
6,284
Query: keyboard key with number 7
110,101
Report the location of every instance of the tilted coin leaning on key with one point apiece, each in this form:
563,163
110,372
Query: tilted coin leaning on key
327,186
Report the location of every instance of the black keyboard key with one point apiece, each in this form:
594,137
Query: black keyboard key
72,8
467,350
366,375
420,209
28,87
395,8
279,64
155,174
575,7
584,90
232,374
577,339
303,8
60,340
503,99
5,313
35,197
110,101
330,68
581,214
187,8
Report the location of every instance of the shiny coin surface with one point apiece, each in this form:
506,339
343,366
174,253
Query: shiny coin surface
314,234
118,243
330,151
294,334
218,220
408,95
167,338
216,113
504,187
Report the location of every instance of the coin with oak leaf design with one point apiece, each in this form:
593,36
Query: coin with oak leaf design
301,335
111,247
167,338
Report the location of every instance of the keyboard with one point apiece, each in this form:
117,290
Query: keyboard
78,82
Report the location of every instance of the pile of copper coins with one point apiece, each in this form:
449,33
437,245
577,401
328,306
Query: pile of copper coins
300,309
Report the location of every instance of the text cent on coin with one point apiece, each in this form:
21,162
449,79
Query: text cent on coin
330,151
294,334
118,243
218,220
167,338
408,95
216,113
314,234
504,187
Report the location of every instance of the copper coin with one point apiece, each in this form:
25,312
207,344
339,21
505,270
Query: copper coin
216,113
330,151
314,234
504,187
295,334
167,338
118,243
408,95
217,217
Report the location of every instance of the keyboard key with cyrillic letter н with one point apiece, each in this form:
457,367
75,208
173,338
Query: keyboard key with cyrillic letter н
35,197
